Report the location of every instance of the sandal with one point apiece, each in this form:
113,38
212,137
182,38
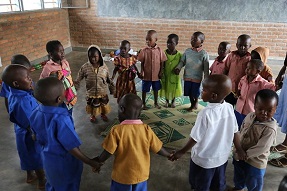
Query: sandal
278,162
104,117
274,149
93,119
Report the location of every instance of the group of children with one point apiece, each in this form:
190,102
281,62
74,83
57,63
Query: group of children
47,141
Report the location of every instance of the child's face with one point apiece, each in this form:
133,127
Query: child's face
171,43
94,57
24,81
206,94
195,42
243,45
223,50
151,39
58,54
124,49
265,109
251,70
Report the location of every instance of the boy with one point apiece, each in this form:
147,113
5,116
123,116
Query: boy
218,65
20,105
59,67
16,59
249,85
236,64
130,142
152,58
211,137
257,134
196,62
55,131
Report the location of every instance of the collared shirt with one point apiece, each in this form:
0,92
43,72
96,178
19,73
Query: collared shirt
218,67
5,89
256,138
55,131
195,63
62,72
248,91
213,132
235,67
131,142
151,58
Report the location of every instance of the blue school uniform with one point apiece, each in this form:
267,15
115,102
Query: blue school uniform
5,90
54,129
21,104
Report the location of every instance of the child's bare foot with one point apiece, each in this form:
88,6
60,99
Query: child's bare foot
145,107
190,109
172,105
157,106
166,105
31,177
41,184
93,119
104,117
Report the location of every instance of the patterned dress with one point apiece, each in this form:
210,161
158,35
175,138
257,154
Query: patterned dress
126,74
171,83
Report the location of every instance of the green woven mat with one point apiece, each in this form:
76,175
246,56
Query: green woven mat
171,125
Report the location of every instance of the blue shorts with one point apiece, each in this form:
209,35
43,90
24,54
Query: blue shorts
191,89
156,85
239,118
248,176
115,186
213,178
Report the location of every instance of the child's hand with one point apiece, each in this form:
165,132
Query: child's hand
160,75
140,75
176,155
241,154
176,71
96,164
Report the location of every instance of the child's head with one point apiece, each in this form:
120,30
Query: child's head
151,38
254,67
224,49
172,41
21,60
17,76
49,91
243,44
215,88
55,50
197,39
130,106
95,55
266,101
125,48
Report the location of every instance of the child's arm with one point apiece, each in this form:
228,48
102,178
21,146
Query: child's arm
142,60
80,76
181,64
163,152
76,152
236,141
206,65
161,70
182,151
114,72
103,156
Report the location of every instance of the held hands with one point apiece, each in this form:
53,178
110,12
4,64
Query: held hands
175,155
176,71
96,165
241,155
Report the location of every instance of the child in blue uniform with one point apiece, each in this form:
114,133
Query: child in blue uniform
20,105
16,59
55,131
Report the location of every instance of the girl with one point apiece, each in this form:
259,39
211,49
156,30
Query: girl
171,84
127,70
96,75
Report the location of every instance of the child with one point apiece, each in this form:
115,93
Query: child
236,64
257,134
248,86
130,142
59,67
281,118
55,131
21,103
171,84
196,62
262,54
16,59
125,65
218,65
211,137
96,75
152,59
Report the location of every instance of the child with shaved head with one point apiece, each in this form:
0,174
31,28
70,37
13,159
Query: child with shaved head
55,131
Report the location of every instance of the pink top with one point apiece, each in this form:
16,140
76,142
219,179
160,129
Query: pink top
218,66
245,102
151,57
235,67
131,121
52,66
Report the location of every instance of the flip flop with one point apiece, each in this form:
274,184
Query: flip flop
275,150
278,163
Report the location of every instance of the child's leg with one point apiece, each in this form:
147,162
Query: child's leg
239,174
254,178
115,186
144,101
145,88
156,86
167,103
156,100
41,179
31,177
195,92
191,99
195,106
172,103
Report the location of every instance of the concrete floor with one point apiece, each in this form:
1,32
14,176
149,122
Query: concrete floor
164,175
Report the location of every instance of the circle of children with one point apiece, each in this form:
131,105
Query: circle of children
238,87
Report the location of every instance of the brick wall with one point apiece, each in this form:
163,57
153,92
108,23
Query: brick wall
86,28
28,32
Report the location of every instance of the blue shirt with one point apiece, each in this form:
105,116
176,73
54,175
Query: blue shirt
54,129
5,90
